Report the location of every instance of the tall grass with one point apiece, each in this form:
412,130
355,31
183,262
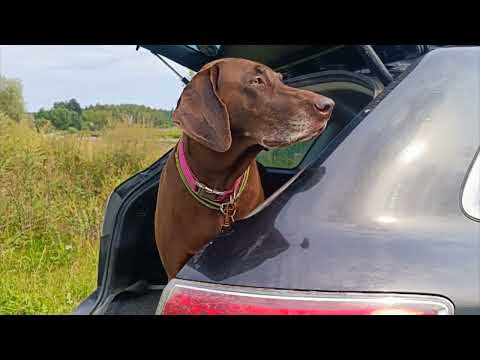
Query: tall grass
53,189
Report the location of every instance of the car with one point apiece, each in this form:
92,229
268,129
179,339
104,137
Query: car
378,215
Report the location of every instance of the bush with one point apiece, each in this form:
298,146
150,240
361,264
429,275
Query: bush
11,98
5,120
61,118
42,125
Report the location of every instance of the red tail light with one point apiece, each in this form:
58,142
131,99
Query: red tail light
191,298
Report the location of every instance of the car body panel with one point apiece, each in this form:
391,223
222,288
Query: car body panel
382,212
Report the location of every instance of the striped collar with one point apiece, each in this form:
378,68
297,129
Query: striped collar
211,198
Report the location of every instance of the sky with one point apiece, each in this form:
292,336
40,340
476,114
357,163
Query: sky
116,74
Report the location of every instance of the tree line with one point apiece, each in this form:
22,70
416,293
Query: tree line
71,116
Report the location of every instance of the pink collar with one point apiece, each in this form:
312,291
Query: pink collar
196,186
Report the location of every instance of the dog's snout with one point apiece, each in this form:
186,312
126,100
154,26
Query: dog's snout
325,105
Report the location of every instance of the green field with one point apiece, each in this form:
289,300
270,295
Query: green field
53,188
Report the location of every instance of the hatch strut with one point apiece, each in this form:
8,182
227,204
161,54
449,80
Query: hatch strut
374,63
183,79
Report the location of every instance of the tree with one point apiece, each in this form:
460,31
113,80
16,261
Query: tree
170,117
96,119
74,106
61,118
11,98
71,105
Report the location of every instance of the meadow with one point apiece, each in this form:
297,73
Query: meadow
53,188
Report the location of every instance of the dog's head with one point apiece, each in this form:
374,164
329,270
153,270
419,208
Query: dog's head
238,97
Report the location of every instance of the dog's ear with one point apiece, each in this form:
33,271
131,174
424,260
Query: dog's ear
201,113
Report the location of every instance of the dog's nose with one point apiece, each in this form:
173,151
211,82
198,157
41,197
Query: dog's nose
325,105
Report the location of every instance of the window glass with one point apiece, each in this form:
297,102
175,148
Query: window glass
285,158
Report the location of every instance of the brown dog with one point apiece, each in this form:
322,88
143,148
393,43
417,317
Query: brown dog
229,112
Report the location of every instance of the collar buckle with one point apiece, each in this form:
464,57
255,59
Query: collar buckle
208,193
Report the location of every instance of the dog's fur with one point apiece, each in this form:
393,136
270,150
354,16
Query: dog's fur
229,112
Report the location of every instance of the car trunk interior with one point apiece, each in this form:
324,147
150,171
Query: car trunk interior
135,254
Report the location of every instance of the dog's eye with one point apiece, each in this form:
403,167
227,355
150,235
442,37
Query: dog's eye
257,80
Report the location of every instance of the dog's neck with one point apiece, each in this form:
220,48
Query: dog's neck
220,170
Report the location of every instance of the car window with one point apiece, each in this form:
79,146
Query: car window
285,158
471,190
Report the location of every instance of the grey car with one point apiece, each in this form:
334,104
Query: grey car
378,215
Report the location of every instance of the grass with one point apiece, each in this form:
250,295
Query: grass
53,189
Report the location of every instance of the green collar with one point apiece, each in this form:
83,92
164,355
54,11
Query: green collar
219,206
